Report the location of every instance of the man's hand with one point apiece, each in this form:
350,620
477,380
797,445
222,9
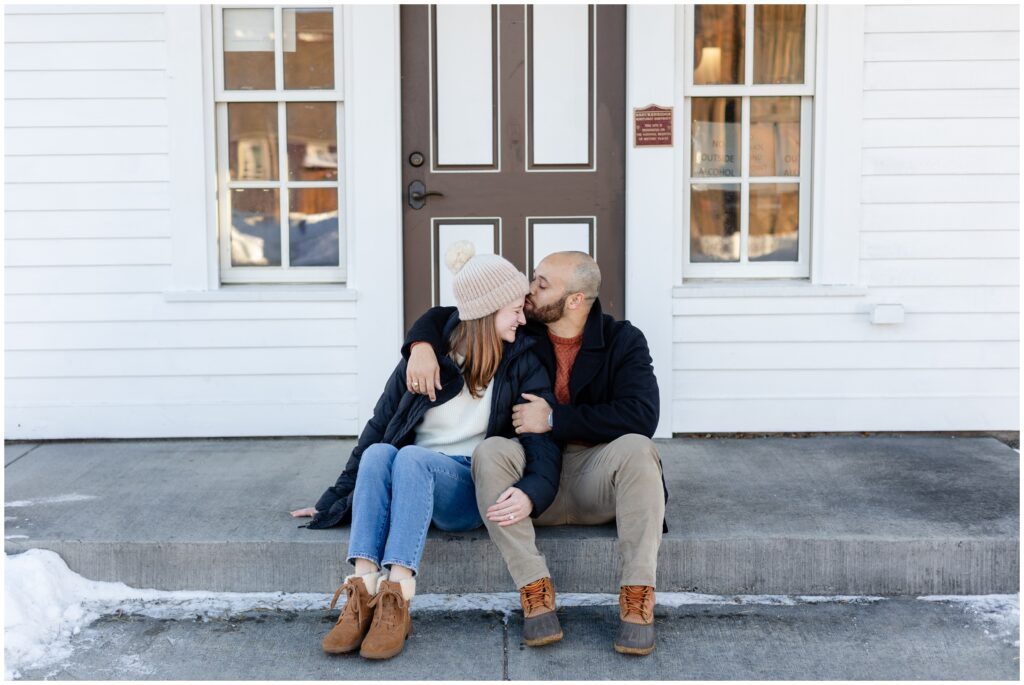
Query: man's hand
300,513
422,373
512,506
531,417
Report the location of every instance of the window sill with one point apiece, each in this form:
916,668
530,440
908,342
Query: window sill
764,288
265,293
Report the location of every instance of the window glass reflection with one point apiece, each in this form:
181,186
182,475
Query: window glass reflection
718,44
255,227
252,141
775,136
715,137
313,227
779,43
714,222
308,48
774,215
248,49
312,141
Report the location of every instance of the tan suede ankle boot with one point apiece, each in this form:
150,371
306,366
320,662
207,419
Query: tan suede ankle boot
354,621
391,620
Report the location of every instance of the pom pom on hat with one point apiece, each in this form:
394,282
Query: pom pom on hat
458,254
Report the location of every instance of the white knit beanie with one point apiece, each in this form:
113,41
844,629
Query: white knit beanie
483,283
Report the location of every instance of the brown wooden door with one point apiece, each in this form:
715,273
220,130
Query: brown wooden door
517,116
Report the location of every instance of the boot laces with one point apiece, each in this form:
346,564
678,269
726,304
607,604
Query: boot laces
536,595
352,607
634,598
389,601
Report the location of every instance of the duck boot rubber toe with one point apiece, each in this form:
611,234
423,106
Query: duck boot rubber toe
391,620
540,621
636,620
347,634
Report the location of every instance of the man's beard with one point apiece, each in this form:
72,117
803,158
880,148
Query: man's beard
548,314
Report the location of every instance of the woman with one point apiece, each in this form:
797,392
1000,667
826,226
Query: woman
411,466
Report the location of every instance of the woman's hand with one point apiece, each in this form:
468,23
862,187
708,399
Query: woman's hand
422,373
308,511
512,507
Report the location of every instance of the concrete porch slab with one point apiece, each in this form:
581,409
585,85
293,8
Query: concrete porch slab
817,515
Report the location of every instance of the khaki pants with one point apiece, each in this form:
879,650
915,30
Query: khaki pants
618,481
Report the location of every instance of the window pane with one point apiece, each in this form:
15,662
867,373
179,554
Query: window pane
779,43
775,136
255,227
248,49
313,226
718,44
312,141
715,135
774,214
308,48
252,141
715,223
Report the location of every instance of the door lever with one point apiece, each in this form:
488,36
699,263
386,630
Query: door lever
418,194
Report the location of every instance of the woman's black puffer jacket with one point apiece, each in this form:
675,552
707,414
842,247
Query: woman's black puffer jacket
398,412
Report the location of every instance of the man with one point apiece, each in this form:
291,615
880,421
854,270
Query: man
605,415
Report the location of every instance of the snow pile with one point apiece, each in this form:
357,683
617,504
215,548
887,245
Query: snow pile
46,603
1001,612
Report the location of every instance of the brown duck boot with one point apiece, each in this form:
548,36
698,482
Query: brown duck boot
540,622
636,620
391,620
347,634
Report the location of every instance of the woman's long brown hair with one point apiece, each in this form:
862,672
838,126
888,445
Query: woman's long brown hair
482,348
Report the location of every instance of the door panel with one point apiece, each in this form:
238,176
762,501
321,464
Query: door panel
518,114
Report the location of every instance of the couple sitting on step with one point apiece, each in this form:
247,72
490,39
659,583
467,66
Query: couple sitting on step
468,431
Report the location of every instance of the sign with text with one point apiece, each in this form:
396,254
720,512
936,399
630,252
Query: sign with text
652,126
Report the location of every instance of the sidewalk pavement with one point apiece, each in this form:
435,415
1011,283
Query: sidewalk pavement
823,515
893,639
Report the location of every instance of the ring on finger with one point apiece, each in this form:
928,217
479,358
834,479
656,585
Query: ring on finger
511,517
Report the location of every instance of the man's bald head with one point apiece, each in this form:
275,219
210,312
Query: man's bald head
580,272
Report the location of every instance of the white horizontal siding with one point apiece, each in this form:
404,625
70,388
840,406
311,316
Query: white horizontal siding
843,356
940,104
845,414
45,112
118,223
93,347
940,236
930,161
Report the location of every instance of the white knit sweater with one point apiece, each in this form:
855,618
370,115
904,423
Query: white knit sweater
456,427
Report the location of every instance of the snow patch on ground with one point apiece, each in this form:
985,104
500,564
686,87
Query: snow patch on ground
56,499
46,604
507,602
1000,612
15,537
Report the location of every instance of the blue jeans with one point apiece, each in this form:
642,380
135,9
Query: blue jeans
399,492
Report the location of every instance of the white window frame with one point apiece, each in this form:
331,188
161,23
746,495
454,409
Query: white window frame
745,269
283,273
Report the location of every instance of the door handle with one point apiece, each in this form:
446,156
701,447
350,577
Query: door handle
418,194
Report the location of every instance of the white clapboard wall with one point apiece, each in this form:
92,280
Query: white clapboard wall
93,347
940,235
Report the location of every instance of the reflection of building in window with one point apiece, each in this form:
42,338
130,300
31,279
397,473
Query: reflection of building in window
255,158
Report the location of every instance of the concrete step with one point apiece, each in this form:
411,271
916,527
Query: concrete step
820,515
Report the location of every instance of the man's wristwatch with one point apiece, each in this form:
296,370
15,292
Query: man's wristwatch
551,419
